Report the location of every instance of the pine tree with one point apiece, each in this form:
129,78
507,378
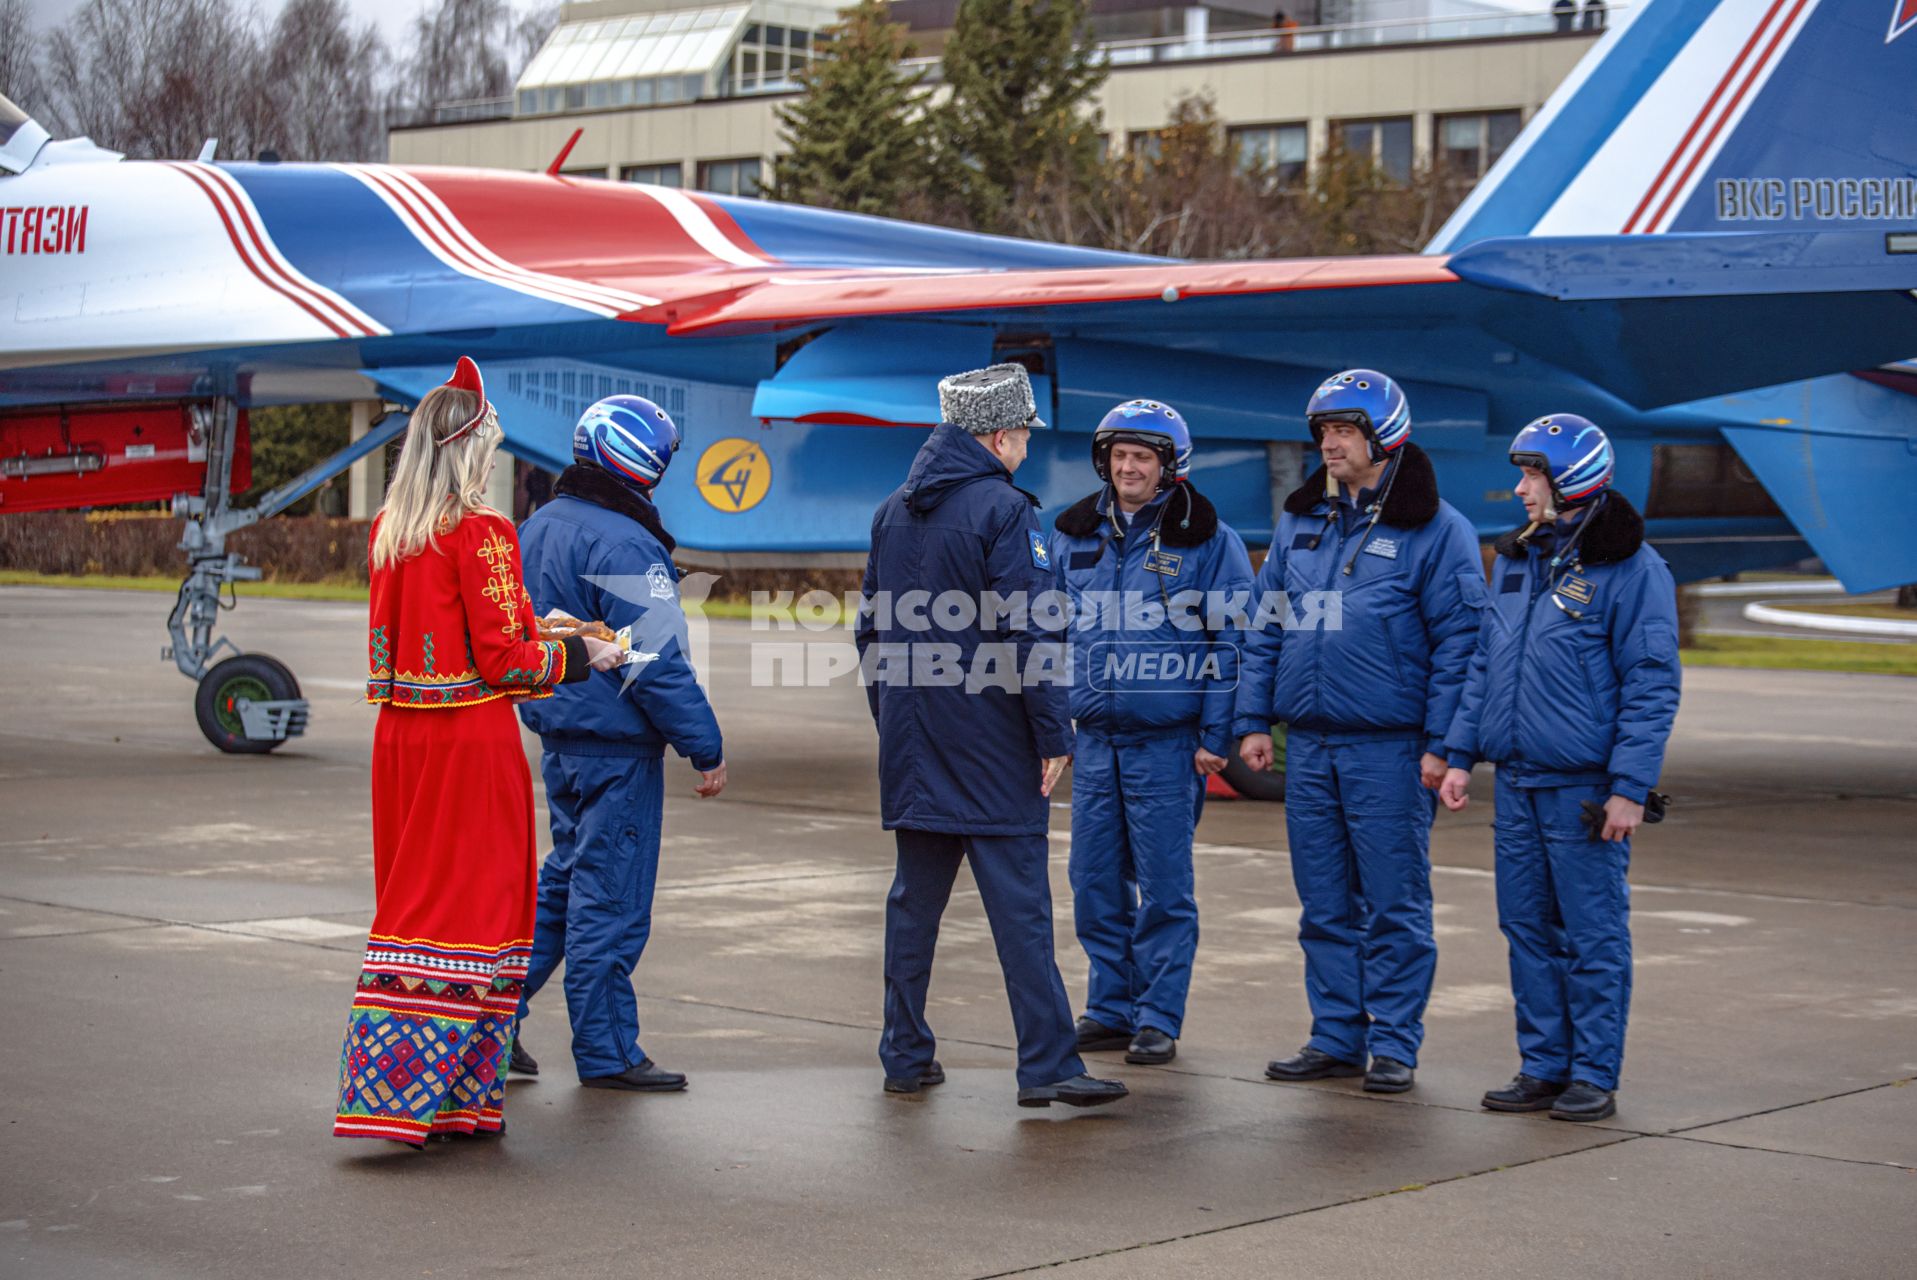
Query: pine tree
856,138
1019,130
288,440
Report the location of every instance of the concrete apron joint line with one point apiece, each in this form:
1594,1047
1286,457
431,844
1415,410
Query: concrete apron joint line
1622,1139
1623,1136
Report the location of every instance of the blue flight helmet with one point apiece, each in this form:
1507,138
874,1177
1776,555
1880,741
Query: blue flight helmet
1369,401
629,438
1573,453
1157,426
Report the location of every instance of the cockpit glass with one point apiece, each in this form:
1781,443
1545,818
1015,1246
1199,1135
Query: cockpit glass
11,118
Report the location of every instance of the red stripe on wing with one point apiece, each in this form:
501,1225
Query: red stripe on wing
792,296
592,231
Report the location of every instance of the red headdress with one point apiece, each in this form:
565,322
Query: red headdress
466,378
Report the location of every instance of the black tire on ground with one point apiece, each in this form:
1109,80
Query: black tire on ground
1253,784
250,675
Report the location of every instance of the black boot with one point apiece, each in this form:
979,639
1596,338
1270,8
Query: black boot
1312,1064
1079,1091
934,1074
1388,1075
1151,1047
521,1063
1094,1036
647,1077
1583,1103
1524,1093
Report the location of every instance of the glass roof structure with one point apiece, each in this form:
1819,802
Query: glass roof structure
681,42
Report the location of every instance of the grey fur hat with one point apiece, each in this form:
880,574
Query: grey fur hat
996,398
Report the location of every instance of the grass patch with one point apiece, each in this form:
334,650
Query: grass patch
112,582
1803,655
350,591
726,608
1855,609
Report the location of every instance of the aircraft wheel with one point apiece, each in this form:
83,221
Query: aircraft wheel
1264,784
250,675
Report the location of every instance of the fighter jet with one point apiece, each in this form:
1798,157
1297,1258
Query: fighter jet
1706,241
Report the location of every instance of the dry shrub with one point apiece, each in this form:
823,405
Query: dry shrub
142,544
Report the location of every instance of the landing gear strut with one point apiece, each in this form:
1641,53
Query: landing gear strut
246,703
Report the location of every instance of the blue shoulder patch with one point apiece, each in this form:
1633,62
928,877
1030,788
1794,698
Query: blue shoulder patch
1041,554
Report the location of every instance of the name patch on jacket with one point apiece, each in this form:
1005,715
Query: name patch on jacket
1576,589
1041,554
1512,582
1083,560
1163,562
1384,548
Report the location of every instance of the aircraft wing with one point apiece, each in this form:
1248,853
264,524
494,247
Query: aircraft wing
291,283
1653,321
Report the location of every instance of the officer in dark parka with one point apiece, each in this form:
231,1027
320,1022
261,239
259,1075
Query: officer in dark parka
973,727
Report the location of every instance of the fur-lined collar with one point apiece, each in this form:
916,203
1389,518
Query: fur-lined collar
1413,499
1189,521
1616,532
590,484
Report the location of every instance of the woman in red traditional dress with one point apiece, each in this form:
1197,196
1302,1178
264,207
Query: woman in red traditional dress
451,646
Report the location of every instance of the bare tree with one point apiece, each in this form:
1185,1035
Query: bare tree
462,49
1353,206
1187,195
154,78
19,57
326,83
533,29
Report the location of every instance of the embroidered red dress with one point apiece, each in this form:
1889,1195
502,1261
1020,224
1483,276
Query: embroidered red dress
450,648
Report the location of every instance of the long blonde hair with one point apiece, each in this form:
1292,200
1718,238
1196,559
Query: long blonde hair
435,485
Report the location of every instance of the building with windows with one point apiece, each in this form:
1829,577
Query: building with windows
681,93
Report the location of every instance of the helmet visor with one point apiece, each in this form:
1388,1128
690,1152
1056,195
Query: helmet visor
1355,418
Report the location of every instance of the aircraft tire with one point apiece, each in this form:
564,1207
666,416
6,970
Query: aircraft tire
1266,784
250,675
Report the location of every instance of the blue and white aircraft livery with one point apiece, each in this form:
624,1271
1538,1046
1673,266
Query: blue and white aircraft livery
1706,242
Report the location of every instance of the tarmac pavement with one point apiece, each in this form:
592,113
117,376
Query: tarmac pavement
180,930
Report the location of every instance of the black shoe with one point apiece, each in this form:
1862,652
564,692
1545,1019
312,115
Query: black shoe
647,1077
1312,1064
934,1074
1388,1075
1151,1047
1584,1102
1079,1091
1524,1093
1094,1036
521,1063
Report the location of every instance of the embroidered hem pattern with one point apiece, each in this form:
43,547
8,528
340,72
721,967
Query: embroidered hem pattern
428,1039
467,688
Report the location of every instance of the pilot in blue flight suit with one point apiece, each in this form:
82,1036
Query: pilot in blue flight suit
1152,702
966,764
1366,699
598,551
1571,694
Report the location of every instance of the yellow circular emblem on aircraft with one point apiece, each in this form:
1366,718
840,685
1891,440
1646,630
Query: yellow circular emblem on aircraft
734,474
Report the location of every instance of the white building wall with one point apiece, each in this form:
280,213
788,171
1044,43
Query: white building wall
1421,81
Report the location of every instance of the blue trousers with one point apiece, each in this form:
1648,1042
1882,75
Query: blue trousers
1011,876
1360,829
595,899
1564,906
1134,807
